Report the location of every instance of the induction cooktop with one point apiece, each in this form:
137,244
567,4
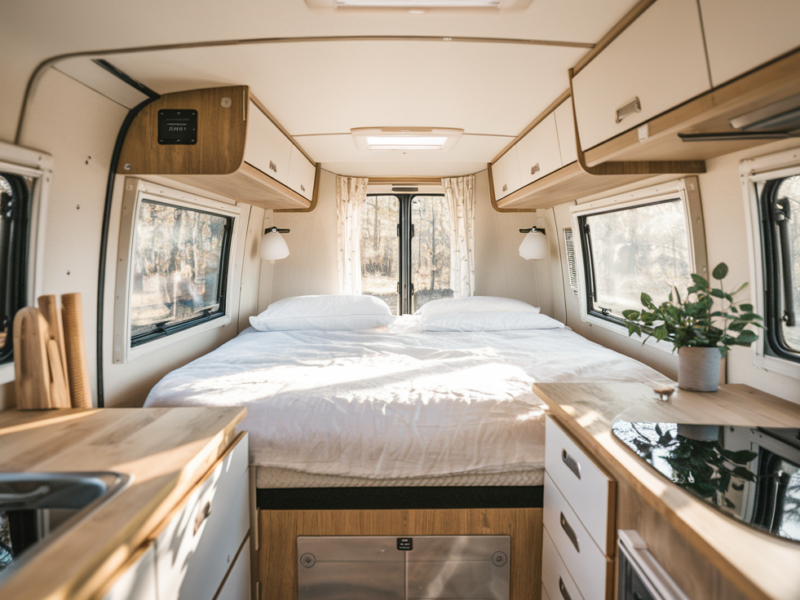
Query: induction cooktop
750,474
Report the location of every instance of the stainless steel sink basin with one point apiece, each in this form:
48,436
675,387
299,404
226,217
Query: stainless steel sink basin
36,508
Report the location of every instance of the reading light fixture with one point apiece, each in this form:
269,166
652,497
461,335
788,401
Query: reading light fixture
534,246
273,246
405,138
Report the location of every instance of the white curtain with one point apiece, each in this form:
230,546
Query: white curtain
460,194
350,195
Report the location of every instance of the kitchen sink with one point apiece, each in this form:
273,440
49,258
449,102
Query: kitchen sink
36,508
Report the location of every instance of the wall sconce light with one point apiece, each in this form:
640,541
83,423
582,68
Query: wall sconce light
534,246
273,246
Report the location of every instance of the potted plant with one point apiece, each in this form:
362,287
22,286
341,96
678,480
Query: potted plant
701,332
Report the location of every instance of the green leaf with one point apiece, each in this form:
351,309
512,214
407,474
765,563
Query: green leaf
746,338
631,315
746,307
720,271
699,281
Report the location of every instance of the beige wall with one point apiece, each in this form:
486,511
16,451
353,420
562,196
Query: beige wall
726,241
311,267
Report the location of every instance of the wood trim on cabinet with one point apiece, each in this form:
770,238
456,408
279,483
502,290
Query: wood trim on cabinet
278,531
493,198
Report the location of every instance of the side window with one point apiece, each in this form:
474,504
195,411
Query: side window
779,208
627,249
15,209
380,249
430,249
180,259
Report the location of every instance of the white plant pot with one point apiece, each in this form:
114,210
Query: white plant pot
698,369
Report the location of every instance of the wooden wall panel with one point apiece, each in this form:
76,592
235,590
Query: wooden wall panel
279,530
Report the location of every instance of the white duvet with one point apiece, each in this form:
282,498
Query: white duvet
395,403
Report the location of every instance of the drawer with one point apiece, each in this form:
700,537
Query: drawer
137,581
744,34
659,60
555,576
537,152
237,584
565,125
590,569
302,174
589,491
201,539
505,174
266,148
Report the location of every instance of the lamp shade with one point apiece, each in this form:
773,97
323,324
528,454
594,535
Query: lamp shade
273,246
534,246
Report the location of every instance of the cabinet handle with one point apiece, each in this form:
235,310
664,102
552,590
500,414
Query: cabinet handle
273,166
629,108
570,532
571,463
505,187
302,187
202,515
563,589
535,169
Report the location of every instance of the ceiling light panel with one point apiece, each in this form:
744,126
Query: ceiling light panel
405,138
418,4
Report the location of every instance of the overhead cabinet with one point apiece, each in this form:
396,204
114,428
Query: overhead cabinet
538,153
505,174
565,125
221,141
744,34
657,63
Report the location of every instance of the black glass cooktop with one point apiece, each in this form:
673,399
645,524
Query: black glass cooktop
750,474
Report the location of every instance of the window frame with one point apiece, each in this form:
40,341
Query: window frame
405,228
24,162
687,191
136,191
754,175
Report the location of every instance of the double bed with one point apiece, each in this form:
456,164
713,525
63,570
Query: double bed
394,406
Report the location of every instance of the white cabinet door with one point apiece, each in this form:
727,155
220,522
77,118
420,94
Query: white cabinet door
266,148
302,173
237,585
138,582
657,63
505,174
743,34
198,546
537,152
565,124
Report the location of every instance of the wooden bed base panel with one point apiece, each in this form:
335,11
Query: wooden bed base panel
278,529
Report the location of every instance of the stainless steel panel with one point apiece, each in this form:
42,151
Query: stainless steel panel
372,567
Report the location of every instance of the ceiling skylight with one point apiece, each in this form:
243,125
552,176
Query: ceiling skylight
405,138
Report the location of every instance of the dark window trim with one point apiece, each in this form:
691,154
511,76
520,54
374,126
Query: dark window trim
164,330
588,257
17,209
774,282
405,230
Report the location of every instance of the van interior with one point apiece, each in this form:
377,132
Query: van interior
400,299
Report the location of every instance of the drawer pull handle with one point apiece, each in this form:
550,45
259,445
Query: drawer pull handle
571,463
202,515
302,187
629,108
273,166
535,169
505,187
570,532
563,589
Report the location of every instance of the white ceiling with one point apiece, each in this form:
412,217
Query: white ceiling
328,87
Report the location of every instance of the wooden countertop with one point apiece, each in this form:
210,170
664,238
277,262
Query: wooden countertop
165,450
761,566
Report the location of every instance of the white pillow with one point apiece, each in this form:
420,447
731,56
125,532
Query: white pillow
475,304
488,321
324,313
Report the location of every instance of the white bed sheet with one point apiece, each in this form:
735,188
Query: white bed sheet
394,403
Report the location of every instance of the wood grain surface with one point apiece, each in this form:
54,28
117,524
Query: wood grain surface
279,530
165,450
728,555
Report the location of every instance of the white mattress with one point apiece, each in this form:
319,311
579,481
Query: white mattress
394,404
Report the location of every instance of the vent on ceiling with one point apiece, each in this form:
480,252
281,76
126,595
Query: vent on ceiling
405,189
573,271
